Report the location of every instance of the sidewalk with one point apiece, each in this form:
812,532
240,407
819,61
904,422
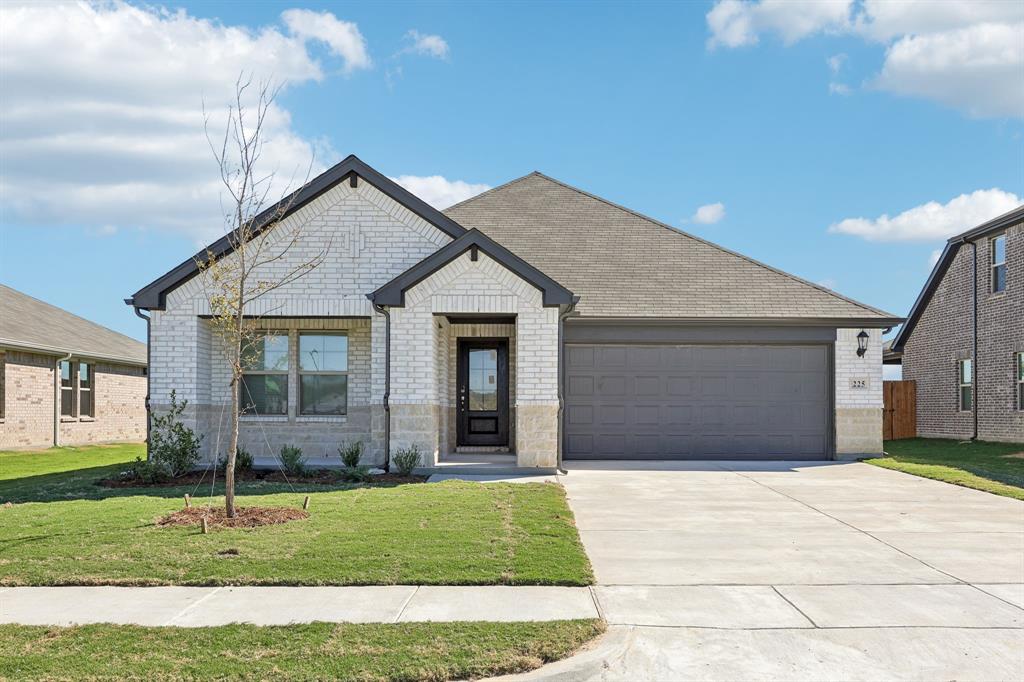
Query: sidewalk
207,606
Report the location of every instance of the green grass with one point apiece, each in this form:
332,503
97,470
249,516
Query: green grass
413,651
980,465
64,530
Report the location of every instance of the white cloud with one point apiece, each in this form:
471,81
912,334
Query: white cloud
933,257
932,220
978,69
966,54
110,134
839,89
438,191
426,44
342,37
836,62
709,214
735,23
828,283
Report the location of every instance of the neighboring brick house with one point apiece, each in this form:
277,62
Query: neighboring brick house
532,322
962,393
65,380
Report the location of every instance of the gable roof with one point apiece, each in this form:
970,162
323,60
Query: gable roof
393,293
26,323
152,296
625,265
942,265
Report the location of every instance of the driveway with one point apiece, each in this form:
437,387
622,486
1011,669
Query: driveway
774,570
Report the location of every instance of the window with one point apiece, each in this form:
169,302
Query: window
1020,381
323,374
966,387
997,247
264,386
85,394
67,390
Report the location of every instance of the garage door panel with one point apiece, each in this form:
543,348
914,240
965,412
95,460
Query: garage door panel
697,401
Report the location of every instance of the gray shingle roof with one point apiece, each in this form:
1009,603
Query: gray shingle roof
623,264
30,324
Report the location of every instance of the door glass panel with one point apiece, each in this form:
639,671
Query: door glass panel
483,379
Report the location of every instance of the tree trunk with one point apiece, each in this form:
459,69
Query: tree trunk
229,470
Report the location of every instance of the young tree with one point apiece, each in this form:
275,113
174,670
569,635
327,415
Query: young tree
262,256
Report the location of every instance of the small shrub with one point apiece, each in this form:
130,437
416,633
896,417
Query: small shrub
292,461
351,454
173,447
356,475
147,471
243,461
407,459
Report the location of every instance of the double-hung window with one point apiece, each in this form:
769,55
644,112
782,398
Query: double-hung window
86,403
997,249
77,389
264,386
1019,357
67,389
323,374
966,392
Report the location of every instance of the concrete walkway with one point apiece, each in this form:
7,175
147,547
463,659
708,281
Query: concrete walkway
203,606
781,571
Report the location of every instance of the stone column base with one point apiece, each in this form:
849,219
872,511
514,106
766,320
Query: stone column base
858,431
537,435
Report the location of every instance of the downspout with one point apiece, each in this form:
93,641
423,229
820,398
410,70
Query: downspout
387,384
138,311
56,399
561,379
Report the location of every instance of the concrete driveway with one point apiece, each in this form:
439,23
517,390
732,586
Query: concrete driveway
824,571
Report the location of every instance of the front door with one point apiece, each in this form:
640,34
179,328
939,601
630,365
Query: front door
483,392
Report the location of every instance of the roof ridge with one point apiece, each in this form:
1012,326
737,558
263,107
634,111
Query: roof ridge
493,189
68,312
701,240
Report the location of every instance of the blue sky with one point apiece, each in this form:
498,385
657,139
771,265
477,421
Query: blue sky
794,123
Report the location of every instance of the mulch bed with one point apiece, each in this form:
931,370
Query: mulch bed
245,517
322,476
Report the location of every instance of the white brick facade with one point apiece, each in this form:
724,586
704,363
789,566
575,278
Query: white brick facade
858,393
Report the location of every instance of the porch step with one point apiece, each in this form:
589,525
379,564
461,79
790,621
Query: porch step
482,449
484,464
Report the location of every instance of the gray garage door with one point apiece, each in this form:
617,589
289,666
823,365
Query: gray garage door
696,402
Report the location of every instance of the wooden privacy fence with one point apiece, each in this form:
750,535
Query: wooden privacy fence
899,414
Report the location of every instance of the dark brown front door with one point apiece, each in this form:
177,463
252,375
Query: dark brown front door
483,392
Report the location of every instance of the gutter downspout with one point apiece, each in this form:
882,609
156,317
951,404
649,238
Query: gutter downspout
56,399
138,312
561,380
975,393
387,384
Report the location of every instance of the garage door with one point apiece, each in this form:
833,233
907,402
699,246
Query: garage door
696,402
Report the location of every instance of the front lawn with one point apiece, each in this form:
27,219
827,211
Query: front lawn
62,529
993,467
413,651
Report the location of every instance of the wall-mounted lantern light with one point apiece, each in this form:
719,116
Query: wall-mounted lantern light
862,343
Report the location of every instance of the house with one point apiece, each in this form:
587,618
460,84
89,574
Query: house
533,322
963,342
65,380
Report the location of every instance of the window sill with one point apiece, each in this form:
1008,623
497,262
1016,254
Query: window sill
87,419
263,418
67,420
323,419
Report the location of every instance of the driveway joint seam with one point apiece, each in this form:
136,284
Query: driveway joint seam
798,609
597,602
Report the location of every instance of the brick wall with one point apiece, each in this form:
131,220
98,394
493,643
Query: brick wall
368,239
944,335
119,415
421,382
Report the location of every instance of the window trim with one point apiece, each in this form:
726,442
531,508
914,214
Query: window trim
299,411
75,389
994,265
1019,370
91,390
962,384
71,389
286,373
